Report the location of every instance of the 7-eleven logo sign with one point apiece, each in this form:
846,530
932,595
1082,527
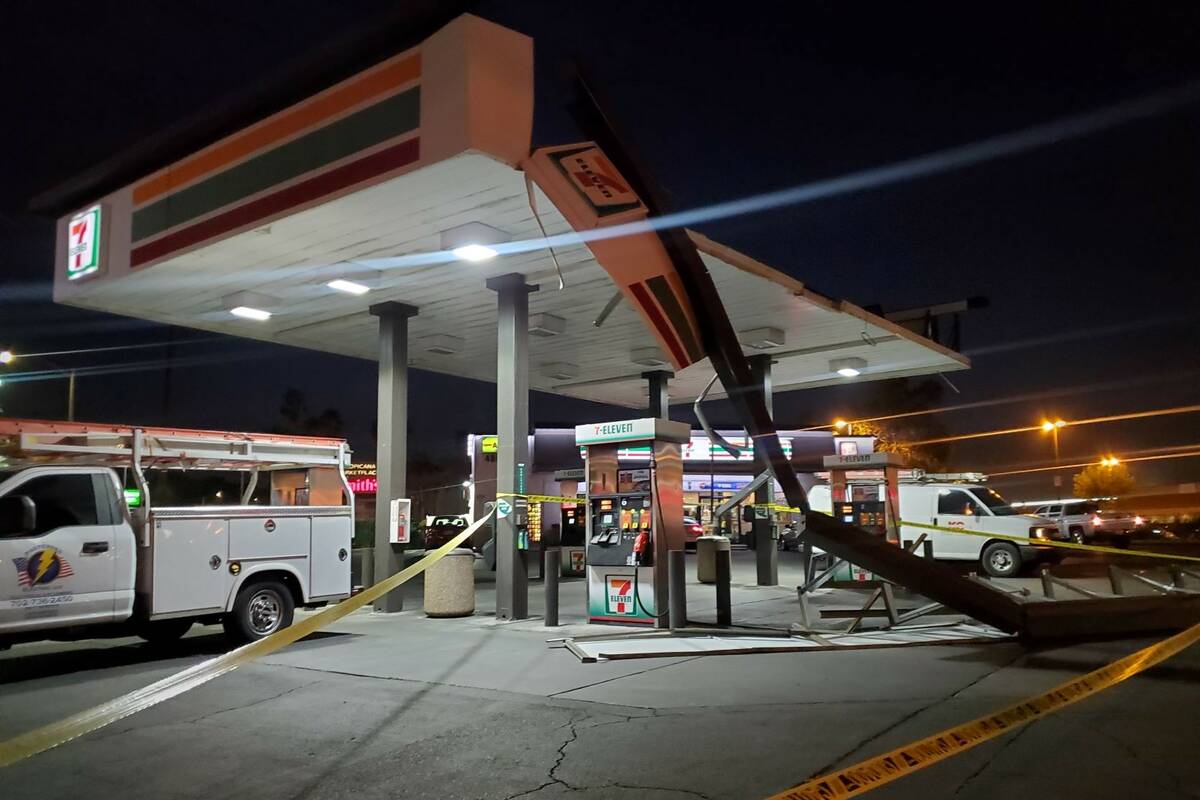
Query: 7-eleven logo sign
619,597
83,243
595,176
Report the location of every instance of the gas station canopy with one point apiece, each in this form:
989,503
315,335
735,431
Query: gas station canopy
364,180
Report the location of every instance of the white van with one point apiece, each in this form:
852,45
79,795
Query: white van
972,508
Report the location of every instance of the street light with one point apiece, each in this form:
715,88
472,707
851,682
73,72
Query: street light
848,426
1110,461
1052,427
8,356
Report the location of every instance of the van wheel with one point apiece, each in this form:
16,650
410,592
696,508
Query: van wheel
1001,560
1077,536
260,609
164,631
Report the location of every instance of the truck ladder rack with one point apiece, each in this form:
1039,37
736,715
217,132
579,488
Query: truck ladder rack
25,443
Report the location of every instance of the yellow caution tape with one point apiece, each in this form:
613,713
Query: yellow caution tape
776,507
542,498
42,739
875,772
1094,548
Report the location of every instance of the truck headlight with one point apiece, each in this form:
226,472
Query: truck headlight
1039,533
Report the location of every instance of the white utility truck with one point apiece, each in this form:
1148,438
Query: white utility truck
84,554
970,508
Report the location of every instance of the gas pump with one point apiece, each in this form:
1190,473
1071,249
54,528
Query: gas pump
880,513
634,516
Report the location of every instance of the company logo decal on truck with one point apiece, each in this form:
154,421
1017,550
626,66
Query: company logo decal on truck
41,566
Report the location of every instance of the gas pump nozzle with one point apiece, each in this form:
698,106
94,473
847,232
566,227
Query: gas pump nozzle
640,545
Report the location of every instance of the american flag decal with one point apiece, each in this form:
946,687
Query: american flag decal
41,567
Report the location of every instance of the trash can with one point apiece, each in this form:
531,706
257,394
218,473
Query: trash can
706,557
450,585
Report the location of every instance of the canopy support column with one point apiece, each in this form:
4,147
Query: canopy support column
766,551
391,442
512,431
659,394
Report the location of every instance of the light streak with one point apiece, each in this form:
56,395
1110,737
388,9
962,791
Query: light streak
954,158
114,348
1158,412
132,366
1123,383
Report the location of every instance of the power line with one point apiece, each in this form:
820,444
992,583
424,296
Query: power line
1091,463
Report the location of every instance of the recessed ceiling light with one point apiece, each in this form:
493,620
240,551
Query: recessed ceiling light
762,338
249,305
474,252
472,241
850,367
647,356
444,344
249,312
546,325
349,287
560,370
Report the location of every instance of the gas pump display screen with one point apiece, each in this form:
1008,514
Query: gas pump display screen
606,519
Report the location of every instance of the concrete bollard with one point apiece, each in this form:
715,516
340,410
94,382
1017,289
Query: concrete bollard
724,570
706,555
553,568
450,585
677,580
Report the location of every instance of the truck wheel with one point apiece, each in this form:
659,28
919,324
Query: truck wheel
1001,560
164,631
260,609
1077,536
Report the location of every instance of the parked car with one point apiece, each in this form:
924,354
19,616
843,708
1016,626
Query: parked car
692,530
972,509
1085,521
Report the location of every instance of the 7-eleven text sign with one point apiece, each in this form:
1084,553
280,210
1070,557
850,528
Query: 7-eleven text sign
619,597
83,243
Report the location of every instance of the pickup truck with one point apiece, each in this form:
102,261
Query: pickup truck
76,561
1085,521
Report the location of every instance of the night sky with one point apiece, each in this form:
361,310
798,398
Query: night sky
1087,249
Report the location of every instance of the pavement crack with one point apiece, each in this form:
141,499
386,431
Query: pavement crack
562,751
642,787
219,711
988,762
911,715
108,734
560,756
621,677
1177,783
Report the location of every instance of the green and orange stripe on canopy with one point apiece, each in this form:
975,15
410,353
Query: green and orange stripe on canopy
372,112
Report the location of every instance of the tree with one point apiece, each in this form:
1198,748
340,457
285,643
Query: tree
1098,480
887,441
298,420
900,396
